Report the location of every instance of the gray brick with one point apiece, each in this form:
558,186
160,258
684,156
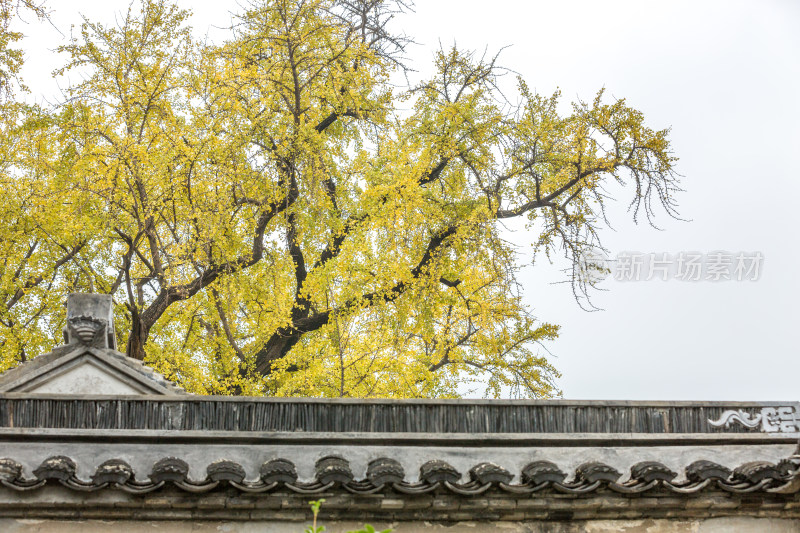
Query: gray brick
389,503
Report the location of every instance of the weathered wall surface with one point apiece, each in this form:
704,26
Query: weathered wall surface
85,378
712,525
531,417
290,511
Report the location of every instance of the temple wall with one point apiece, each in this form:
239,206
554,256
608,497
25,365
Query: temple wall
80,454
55,508
710,525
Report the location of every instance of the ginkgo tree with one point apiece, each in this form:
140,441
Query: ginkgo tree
274,215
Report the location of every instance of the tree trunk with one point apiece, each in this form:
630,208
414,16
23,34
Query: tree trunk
137,338
276,348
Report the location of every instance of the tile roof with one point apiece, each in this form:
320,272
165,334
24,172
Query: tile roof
387,475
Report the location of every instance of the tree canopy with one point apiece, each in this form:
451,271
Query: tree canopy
274,214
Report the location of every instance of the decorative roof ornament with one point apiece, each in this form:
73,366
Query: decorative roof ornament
333,474
88,363
784,419
90,321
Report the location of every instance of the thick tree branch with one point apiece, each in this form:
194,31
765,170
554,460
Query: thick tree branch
434,174
333,117
301,304
445,360
286,337
36,280
548,200
171,294
223,318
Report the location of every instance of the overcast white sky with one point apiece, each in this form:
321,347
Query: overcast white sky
725,76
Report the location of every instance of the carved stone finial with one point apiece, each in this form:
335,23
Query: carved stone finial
90,321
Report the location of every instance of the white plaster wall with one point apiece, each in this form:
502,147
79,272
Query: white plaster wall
85,378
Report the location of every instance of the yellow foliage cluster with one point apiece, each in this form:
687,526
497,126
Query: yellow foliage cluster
273,216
